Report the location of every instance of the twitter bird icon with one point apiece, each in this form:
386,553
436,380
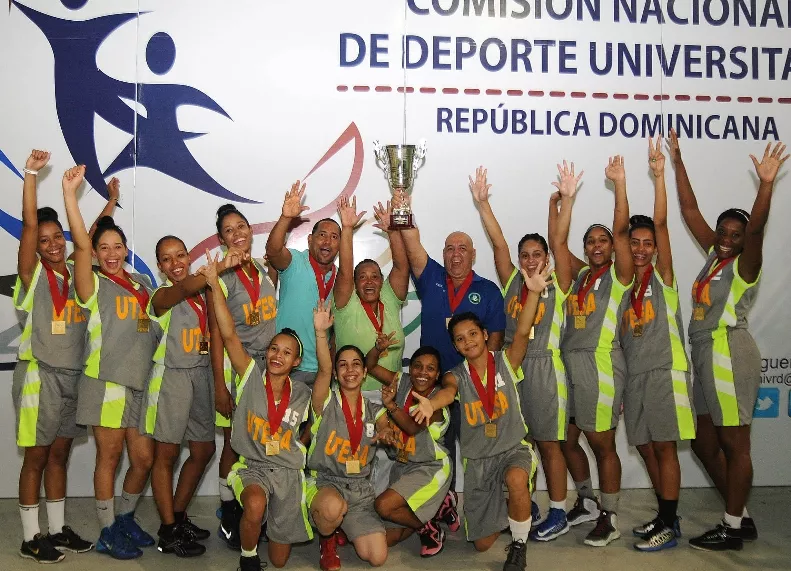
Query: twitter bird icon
767,405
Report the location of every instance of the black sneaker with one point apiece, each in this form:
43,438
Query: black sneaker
605,532
229,527
198,533
253,563
181,542
647,529
517,557
40,550
584,510
68,540
748,531
721,538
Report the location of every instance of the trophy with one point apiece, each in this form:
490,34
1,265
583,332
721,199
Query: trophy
400,164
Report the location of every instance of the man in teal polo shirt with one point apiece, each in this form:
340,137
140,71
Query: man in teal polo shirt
305,276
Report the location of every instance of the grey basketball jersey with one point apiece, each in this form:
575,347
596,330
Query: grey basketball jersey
254,337
36,312
179,344
330,447
724,301
425,445
507,415
661,344
251,428
116,350
548,324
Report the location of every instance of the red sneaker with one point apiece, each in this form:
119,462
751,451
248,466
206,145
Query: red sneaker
447,513
432,539
329,560
340,537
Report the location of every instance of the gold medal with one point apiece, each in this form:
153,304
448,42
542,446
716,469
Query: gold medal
490,430
255,319
203,347
638,330
403,456
273,448
143,323
579,321
352,466
58,327
532,333
699,313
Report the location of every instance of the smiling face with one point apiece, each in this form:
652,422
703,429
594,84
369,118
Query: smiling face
368,281
598,247
325,242
350,369
51,243
729,241
458,255
111,253
173,260
424,372
282,355
236,233
469,339
532,257
643,246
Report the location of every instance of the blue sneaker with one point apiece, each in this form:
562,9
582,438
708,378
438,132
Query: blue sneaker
554,526
647,529
535,513
133,531
114,542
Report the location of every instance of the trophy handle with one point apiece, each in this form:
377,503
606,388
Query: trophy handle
381,156
420,155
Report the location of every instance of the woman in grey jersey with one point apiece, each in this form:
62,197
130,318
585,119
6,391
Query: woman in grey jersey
121,340
544,397
592,353
726,360
179,399
658,410
249,291
44,388
268,479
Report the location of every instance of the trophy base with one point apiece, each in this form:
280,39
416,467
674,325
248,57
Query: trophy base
401,221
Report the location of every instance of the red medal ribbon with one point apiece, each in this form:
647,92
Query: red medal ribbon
637,300
59,298
325,288
455,298
588,284
253,286
198,304
354,425
274,412
377,323
407,405
141,294
704,282
485,394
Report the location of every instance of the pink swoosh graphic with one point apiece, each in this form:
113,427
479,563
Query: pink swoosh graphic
352,133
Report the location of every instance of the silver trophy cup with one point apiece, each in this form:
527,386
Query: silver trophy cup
400,164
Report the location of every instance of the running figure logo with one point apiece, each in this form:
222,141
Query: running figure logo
82,91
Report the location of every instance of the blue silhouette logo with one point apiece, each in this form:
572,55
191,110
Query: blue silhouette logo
82,91
767,405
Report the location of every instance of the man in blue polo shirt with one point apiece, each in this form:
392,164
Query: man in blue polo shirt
443,292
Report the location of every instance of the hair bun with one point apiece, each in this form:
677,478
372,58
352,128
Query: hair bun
105,222
46,214
226,209
641,220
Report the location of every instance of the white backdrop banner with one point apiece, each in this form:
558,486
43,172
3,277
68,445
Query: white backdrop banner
195,104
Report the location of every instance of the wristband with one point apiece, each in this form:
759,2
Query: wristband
30,171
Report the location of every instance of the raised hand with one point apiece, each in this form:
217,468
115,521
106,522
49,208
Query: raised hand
567,185
656,160
347,211
114,189
37,160
389,393
555,197
322,317
292,204
72,179
478,187
234,257
539,281
209,269
385,340
770,163
382,215
424,410
672,146
615,170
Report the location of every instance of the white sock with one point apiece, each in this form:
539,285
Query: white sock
226,493
128,502
732,521
557,505
744,512
29,515
519,529
56,515
252,553
105,512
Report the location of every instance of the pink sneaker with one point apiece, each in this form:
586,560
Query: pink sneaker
432,539
447,513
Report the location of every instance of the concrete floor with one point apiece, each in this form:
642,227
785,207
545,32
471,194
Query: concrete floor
699,508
